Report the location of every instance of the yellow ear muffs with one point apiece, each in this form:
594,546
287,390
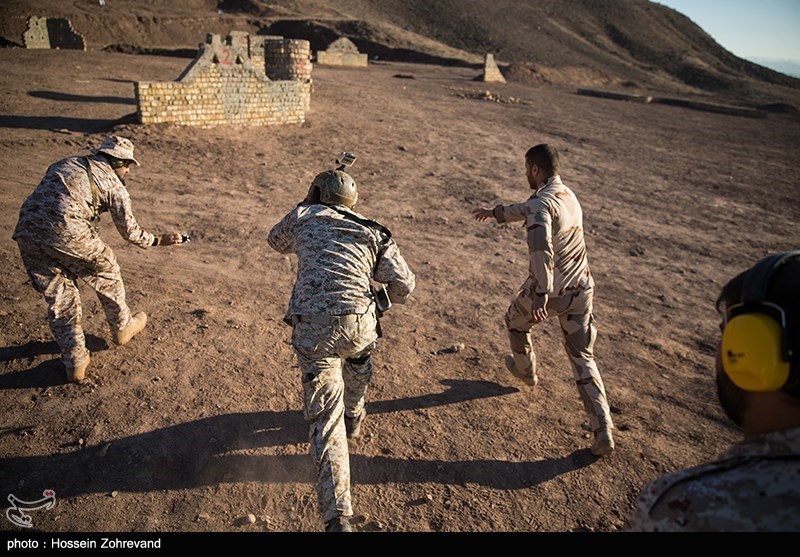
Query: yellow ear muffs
751,353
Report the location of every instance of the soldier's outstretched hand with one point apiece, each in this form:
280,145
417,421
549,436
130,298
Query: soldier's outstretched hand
483,214
172,238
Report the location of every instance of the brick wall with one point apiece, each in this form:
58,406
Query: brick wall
53,32
342,52
245,80
327,58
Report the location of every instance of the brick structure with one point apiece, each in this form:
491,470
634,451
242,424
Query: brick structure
52,32
246,80
342,52
490,71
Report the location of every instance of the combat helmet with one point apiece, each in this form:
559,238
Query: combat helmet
336,187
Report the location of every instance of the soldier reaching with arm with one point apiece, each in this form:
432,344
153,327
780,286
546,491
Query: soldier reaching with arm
335,329
58,239
559,282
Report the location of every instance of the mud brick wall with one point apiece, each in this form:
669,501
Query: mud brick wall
342,52
490,70
54,32
226,84
328,58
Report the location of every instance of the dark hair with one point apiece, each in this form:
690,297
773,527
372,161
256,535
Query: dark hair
783,291
545,157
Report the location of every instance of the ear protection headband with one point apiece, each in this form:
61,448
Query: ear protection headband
755,340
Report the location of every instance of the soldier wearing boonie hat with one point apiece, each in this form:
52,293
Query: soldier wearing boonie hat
59,241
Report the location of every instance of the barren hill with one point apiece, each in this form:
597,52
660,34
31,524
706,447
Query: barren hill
633,45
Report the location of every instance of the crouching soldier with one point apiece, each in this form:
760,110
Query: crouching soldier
58,239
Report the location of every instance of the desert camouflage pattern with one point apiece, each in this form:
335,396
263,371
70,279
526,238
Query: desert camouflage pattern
59,211
59,246
554,221
55,273
558,265
336,368
574,311
752,487
335,262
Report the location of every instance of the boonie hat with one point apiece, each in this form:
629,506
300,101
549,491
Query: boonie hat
118,147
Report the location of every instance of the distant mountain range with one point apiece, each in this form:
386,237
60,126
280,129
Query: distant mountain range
788,67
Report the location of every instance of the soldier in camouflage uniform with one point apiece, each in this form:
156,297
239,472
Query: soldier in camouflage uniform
559,282
333,312
58,239
755,485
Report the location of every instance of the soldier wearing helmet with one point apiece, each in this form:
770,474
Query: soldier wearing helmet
59,241
334,314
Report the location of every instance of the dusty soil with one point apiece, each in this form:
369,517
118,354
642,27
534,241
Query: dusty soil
197,422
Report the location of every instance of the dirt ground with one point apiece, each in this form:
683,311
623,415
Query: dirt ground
197,423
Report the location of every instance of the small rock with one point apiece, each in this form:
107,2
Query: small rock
114,493
403,148
102,452
251,518
429,497
203,516
458,347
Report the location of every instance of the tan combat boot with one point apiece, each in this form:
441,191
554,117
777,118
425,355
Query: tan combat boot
137,323
78,373
528,379
603,443
353,425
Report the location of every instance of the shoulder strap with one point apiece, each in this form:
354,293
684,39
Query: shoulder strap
95,193
384,233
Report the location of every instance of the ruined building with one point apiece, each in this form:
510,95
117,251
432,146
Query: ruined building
52,32
245,80
342,52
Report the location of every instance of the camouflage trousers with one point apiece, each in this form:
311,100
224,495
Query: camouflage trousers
54,273
336,368
574,311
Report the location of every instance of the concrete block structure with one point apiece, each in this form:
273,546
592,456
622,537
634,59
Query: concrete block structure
491,72
342,52
244,80
52,32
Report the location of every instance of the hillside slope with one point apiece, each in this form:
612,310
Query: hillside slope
630,44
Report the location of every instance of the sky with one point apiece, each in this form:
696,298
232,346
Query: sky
751,29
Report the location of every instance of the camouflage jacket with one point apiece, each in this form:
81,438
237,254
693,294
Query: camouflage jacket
753,487
59,211
336,261
554,221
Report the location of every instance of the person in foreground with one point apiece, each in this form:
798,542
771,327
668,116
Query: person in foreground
755,485
334,312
